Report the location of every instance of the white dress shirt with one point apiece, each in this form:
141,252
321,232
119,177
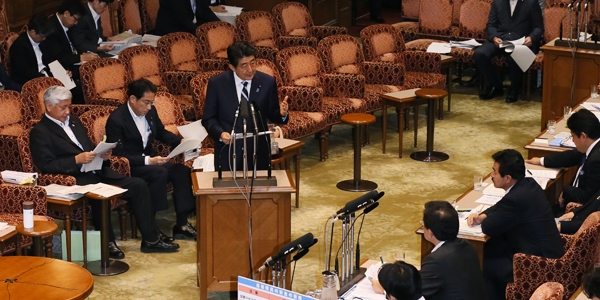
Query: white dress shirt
142,126
38,54
239,85
95,16
65,29
513,4
437,246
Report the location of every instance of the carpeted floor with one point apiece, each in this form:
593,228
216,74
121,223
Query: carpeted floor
470,134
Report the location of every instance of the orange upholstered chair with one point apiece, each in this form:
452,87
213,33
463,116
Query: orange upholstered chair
149,11
180,53
293,19
9,38
259,29
14,119
214,39
104,81
548,291
130,16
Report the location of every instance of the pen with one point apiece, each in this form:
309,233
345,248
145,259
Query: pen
381,259
529,172
596,107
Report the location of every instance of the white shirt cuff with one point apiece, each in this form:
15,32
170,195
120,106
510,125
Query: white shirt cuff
147,160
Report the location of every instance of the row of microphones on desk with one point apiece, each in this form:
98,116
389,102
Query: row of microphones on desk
574,8
368,202
301,245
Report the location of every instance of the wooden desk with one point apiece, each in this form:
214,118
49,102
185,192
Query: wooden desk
467,201
6,237
402,100
222,216
291,150
40,229
558,71
67,207
30,277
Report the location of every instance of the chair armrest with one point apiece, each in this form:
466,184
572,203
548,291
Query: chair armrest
321,32
213,64
13,196
343,85
383,72
120,165
417,61
291,41
178,82
567,240
525,282
303,98
106,101
47,179
10,150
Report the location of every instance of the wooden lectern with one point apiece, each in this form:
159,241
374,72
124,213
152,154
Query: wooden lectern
222,216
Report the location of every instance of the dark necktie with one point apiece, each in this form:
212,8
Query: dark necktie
579,172
99,27
244,90
244,113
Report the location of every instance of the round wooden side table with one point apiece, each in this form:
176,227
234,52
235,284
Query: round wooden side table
429,155
31,277
357,184
40,229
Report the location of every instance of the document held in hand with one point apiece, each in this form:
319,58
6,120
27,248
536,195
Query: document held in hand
193,135
61,74
520,53
96,164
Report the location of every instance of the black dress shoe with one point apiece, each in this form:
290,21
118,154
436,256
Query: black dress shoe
163,237
158,246
114,252
490,93
378,19
512,97
471,82
185,232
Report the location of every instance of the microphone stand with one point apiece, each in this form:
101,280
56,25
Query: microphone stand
585,11
577,11
233,144
245,152
254,138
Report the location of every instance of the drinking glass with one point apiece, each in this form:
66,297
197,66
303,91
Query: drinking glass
551,126
594,91
478,182
566,112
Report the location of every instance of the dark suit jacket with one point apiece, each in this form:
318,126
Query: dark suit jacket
580,214
522,222
121,127
526,20
178,16
53,151
589,178
56,47
453,272
222,103
84,34
23,62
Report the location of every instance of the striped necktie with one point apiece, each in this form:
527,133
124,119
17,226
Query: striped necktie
244,90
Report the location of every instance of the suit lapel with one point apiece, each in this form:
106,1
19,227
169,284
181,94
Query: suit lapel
231,91
59,132
517,9
130,124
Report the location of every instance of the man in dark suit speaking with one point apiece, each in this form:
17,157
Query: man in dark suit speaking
59,144
223,97
521,222
136,125
508,20
439,276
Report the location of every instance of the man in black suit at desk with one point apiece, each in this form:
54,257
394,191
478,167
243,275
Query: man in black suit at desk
183,16
439,276
135,125
59,144
508,20
25,54
88,34
521,222
585,132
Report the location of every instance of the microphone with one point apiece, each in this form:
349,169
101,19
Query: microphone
570,6
303,252
302,242
371,207
244,114
358,203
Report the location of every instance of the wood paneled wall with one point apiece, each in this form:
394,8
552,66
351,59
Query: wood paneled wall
19,12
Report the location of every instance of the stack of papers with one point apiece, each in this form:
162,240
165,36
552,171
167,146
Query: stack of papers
442,48
3,225
205,162
231,13
464,228
18,177
520,53
468,44
123,40
493,191
96,163
150,39
193,135
542,176
54,191
100,189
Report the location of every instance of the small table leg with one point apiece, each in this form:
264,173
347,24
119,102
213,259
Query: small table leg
68,234
356,184
429,155
84,230
400,130
38,247
384,127
106,266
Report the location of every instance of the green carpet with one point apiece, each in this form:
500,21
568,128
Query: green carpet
470,134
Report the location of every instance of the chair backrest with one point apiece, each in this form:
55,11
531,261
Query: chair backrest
292,18
583,252
269,68
14,115
341,54
180,52
13,196
548,291
130,17
456,11
553,15
25,152
473,19
300,66
258,28
142,62
104,78
149,11
33,94
435,17
198,86
4,28
382,42
169,111
107,18
6,43
215,37
94,121
410,9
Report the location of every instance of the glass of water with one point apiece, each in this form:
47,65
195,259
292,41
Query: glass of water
566,112
551,126
594,91
478,182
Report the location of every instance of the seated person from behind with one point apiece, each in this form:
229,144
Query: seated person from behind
591,284
570,222
135,125
508,21
25,55
520,222
400,281
87,34
439,276
585,132
59,144
183,16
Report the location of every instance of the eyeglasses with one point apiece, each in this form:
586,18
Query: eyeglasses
76,18
148,102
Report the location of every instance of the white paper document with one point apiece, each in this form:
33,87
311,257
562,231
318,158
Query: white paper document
60,73
441,48
185,145
96,163
205,162
150,39
193,135
545,173
472,43
101,189
230,14
488,199
510,45
523,56
362,290
464,228
493,191
194,130
18,177
53,191
3,225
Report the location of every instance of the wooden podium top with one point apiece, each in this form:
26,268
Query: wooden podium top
203,182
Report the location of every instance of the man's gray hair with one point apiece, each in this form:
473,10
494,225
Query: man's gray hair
56,93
